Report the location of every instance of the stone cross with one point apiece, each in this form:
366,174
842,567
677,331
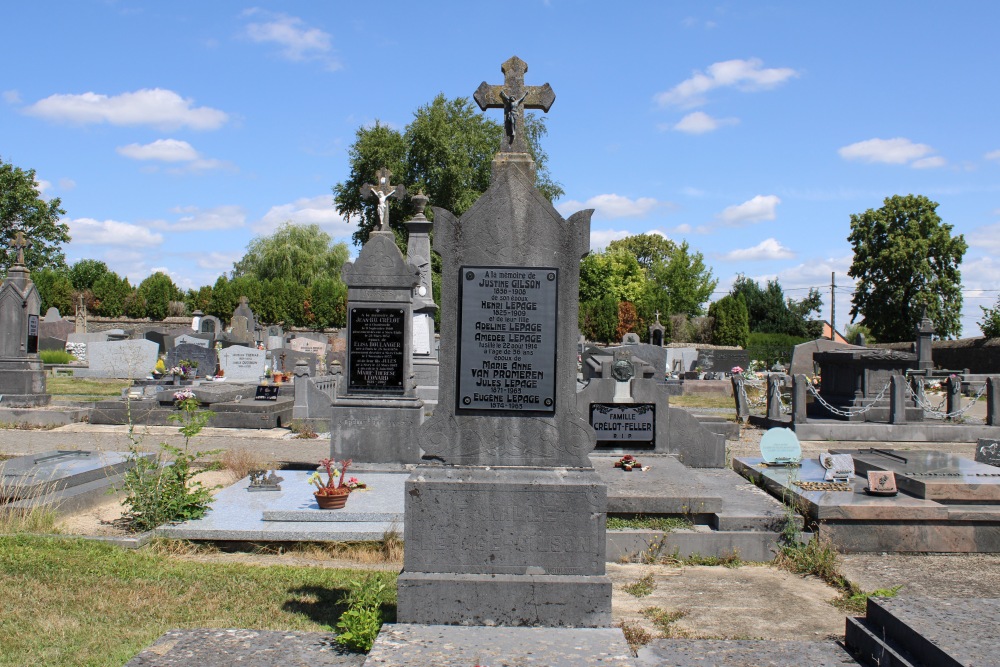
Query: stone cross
20,243
383,191
514,97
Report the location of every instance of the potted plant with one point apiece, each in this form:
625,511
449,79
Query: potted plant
160,369
333,494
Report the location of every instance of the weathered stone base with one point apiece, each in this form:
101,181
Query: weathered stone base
504,599
22,383
505,546
376,430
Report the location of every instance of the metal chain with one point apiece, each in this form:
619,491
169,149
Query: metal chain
946,415
848,413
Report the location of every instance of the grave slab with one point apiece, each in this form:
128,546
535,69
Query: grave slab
741,653
214,647
414,645
932,475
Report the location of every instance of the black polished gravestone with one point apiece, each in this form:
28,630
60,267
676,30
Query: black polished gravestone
376,413
508,527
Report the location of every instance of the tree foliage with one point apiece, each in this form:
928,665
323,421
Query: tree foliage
110,294
445,152
300,253
156,292
686,279
85,273
990,324
905,261
770,312
731,321
23,209
55,290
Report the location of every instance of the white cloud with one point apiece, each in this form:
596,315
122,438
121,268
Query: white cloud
66,184
932,162
42,185
993,155
986,237
11,97
746,75
683,229
700,122
155,107
899,150
612,206
761,207
298,42
164,150
111,232
692,192
194,219
218,261
600,238
767,249
307,211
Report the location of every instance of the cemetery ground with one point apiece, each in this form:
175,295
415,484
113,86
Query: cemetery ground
83,602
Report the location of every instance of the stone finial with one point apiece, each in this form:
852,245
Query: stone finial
20,243
514,97
419,202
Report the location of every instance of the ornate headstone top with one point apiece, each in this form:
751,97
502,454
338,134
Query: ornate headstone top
383,190
925,325
20,243
514,97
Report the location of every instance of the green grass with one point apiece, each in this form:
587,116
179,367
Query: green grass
55,356
73,602
640,522
703,401
641,587
664,621
85,389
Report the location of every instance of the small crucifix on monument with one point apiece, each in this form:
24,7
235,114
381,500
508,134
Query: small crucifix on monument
20,243
383,191
514,97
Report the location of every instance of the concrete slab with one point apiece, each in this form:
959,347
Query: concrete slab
249,648
668,487
740,653
411,645
817,429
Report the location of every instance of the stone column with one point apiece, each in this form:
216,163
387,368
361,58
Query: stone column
300,409
925,331
740,396
993,400
897,399
954,388
800,394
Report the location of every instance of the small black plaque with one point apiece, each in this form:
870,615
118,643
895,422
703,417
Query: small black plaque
375,350
620,423
32,334
266,393
507,350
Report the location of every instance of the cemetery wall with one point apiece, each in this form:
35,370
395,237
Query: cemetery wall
979,355
176,325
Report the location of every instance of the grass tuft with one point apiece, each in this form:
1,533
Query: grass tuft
642,587
239,462
642,522
664,621
636,635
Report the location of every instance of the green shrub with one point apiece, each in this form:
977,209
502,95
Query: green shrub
772,348
732,322
55,356
361,621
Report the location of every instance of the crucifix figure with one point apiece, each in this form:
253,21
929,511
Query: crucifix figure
20,243
383,191
514,97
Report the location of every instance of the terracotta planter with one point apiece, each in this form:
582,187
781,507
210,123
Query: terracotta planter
333,502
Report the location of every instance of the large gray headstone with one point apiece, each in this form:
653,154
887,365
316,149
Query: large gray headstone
122,358
205,356
242,363
188,339
510,530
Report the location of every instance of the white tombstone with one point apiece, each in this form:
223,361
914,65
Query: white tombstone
308,345
122,358
242,363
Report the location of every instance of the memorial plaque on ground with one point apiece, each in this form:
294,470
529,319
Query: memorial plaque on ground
624,423
988,451
780,445
507,334
376,338
266,393
242,363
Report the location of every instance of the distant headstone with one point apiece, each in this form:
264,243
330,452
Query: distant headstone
301,344
631,339
204,356
122,358
52,315
210,324
244,323
160,338
721,361
54,326
680,360
988,451
284,360
275,342
242,363
780,445
188,339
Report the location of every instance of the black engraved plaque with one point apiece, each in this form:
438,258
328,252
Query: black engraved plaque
507,338
376,350
616,423
266,393
32,334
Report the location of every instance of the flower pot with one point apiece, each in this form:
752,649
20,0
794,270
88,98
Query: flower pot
333,502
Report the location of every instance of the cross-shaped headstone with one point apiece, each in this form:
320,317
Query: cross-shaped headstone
20,243
514,97
383,191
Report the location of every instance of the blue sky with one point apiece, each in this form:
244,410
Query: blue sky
176,132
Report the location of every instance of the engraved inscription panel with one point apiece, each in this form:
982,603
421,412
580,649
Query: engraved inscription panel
376,337
624,423
507,350
504,530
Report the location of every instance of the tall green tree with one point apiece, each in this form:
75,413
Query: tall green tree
445,152
110,294
301,253
85,273
23,209
905,261
611,273
990,324
156,292
686,279
55,289
731,321
648,249
771,312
